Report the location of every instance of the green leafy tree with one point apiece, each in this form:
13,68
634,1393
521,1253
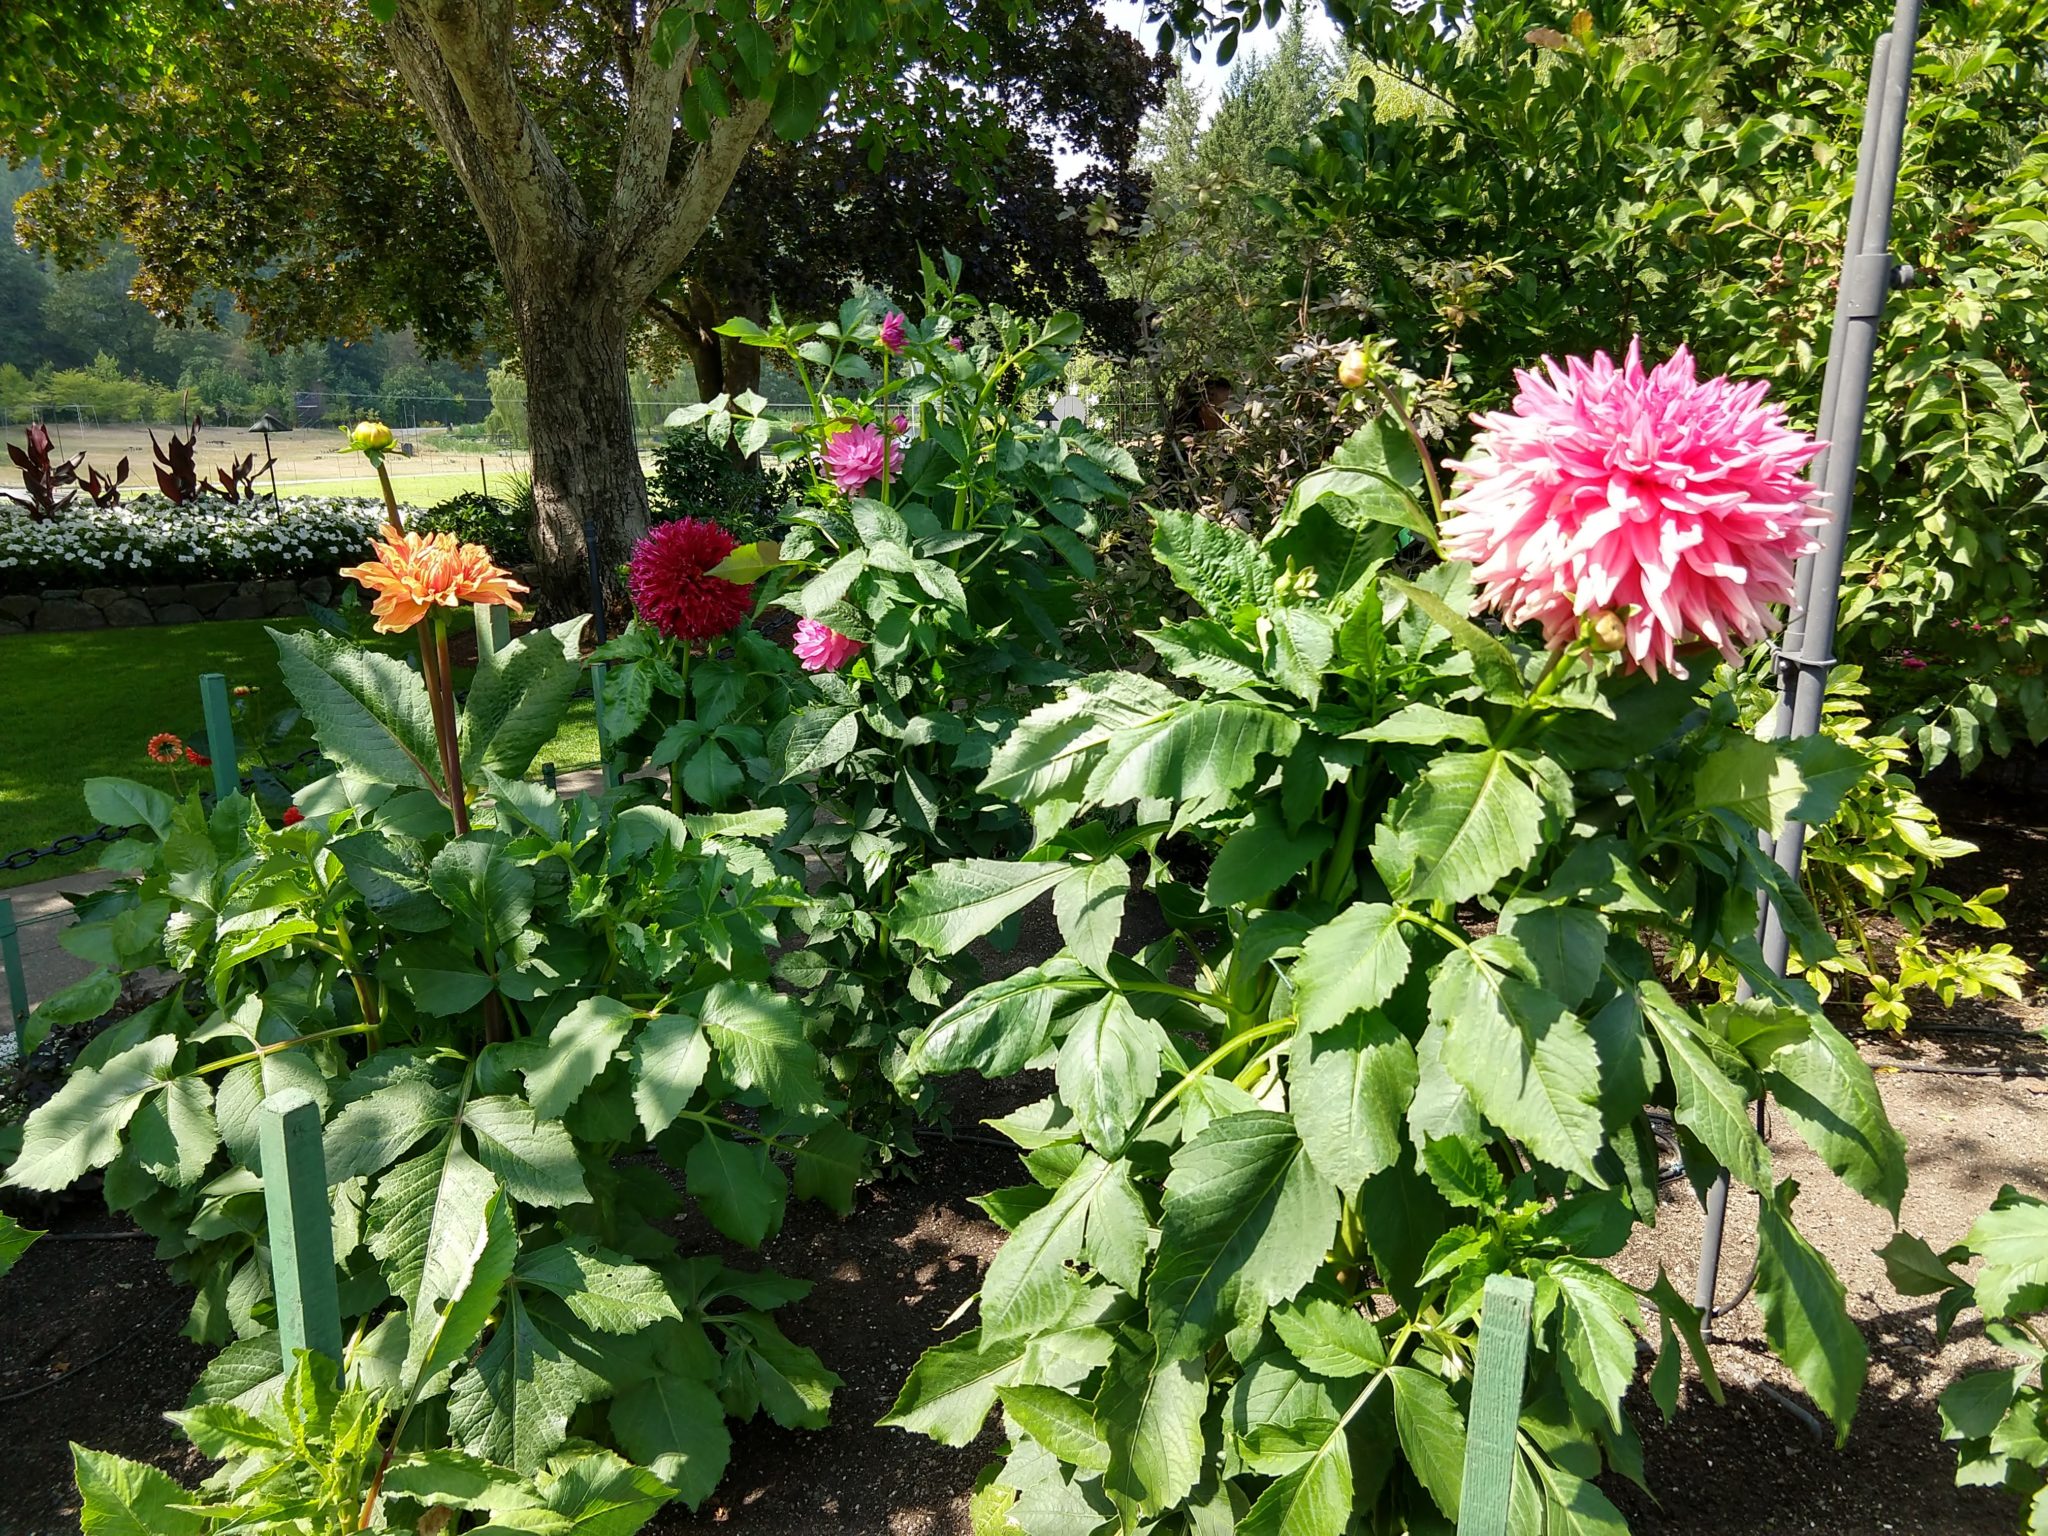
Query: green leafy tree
1023,180
1205,268
584,155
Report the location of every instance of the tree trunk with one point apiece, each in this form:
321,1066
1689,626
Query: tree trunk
586,461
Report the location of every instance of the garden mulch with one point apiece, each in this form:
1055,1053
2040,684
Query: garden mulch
888,1279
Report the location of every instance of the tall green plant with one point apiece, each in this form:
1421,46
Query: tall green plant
1399,1037
1996,1417
511,1029
948,583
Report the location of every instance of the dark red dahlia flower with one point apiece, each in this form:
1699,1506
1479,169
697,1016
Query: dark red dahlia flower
671,589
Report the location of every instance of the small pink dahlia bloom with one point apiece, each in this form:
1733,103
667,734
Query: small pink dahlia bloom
854,457
892,330
670,585
823,649
1676,501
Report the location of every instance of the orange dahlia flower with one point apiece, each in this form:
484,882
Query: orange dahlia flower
416,572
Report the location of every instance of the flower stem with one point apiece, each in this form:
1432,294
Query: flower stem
441,691
390,496
1546,684
885,426
675,770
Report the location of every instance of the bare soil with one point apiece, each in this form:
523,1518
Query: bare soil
88,1350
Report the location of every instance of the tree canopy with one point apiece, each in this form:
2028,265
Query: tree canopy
540,174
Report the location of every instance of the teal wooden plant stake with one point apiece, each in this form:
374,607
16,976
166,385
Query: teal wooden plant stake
1496,1406
604,747
301,1225
493,630
10,962
220,734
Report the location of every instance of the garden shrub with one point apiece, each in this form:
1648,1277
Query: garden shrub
935,602
510,1008
475,517
147,539
1399,1038
696,477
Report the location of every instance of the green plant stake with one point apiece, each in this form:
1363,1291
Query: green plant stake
220,734
493,629
1496,1406
10,962
604,746
301,1226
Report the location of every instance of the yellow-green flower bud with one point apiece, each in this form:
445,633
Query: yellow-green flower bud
370,436
1351,371
1608,630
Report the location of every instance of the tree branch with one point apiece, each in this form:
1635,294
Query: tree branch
456,59
640,184
660,251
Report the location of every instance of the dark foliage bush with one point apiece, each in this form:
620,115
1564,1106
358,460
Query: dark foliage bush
504,527
695,477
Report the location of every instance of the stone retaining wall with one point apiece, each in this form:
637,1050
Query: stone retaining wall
129,607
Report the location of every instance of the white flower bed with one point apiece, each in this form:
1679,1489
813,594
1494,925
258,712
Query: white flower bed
147,540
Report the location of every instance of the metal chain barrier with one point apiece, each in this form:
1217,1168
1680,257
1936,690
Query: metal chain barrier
77,842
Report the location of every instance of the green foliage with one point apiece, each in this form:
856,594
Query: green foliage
501,527
15,1240
1997,1418
301,1456
695,477
1873,865
1401,1041
1205,263
957,573
504,1028
1683,173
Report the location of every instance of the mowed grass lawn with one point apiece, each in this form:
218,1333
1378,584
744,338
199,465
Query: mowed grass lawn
412,490
83,704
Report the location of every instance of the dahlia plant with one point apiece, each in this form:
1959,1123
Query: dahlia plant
1408,1011
689,687
511,1010
931,565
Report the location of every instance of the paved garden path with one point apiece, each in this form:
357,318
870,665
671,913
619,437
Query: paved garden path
43,914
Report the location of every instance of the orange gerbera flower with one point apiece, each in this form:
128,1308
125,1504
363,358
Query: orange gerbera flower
416,572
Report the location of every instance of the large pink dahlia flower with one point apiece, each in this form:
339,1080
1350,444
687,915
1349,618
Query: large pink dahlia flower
821,648
672,590
1676,502
854,457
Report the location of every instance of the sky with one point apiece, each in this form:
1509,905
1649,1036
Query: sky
1208,74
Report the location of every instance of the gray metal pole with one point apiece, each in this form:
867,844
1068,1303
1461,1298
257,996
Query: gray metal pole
1807,653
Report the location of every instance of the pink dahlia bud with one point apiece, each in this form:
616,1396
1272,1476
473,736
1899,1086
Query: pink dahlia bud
671,585
854,457
892,330
1678,502
822,649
